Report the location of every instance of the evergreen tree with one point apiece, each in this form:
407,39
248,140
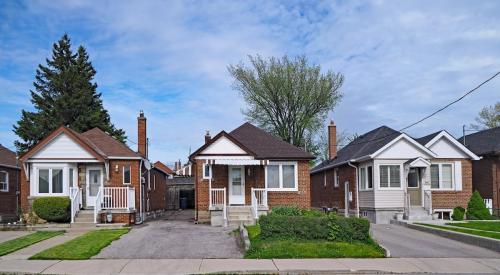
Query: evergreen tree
64,94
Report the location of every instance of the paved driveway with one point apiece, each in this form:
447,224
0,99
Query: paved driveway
9,235
410,243
174,239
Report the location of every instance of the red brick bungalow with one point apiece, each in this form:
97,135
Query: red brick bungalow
97,172
241,174
9,185
384,172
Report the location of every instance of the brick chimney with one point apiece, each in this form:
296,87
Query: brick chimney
207,137
332,140
142,139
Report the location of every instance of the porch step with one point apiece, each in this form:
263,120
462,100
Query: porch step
418,213
84,216
240,214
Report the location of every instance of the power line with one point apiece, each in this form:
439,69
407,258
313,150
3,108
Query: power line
432,114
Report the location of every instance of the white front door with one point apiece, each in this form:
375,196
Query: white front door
94,181
236,185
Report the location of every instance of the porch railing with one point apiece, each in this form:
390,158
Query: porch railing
116,198
97,204
218,201
428,201
76,201
489,205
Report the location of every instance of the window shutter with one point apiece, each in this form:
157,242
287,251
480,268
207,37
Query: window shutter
458,175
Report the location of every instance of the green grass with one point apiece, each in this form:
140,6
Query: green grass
493,235
480,225
282,249
22,242
83,247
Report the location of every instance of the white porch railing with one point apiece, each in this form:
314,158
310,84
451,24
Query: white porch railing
428,201
489,205
112,198
259,200
76,201
97,204
218,201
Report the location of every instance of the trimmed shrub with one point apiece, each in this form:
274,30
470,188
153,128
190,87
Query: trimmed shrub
286,210
476,209
458,213
342,229
53,209
293,227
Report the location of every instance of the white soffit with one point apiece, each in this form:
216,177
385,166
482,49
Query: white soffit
403,147
223,146
62,147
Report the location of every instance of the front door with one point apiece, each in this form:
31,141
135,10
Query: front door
236,185
414,186
94,181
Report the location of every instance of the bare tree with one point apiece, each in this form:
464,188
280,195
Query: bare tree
489,117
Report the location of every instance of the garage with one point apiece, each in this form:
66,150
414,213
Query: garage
180,193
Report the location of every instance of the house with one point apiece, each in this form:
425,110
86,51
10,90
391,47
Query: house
486,171
183,170
164,168
100,174
9,185
385,172
244,173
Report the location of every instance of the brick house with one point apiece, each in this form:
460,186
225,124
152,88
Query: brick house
244,173
486,171
100,174
9,185
386,172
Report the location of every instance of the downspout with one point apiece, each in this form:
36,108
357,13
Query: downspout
356,186
140,194
18,191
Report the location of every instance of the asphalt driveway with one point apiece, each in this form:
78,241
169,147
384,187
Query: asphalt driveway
410,243
174,239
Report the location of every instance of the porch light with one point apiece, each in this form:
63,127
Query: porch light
117,168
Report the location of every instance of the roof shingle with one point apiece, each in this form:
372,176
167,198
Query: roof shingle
7,157
484,142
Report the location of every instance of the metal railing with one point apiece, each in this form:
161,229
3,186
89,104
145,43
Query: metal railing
76,200
259,200
407,204
115,198
489,204
97,204
428,201
218,201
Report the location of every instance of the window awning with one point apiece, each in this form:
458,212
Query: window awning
219,161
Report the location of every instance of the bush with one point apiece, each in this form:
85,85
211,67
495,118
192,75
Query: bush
476,209
53,209
458,213
286,210
342,229
280,227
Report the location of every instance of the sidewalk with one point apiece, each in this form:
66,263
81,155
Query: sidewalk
201,266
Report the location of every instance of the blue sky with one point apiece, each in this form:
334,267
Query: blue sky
401,59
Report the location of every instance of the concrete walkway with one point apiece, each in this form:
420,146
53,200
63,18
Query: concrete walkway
303,266
31,250
409,243
10,235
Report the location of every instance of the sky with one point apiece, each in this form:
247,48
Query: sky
401,60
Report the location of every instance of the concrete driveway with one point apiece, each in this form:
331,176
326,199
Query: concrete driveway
174,239
409,243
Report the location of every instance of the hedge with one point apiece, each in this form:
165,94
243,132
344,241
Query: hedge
458,213
53,209
476,209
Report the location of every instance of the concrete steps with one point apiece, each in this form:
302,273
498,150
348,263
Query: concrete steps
240,214
418,213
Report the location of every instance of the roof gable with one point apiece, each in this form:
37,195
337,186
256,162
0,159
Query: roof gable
223,146
445,146
402,147
62,147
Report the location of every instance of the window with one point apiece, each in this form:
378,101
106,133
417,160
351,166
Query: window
71,177
390,176
50,181
282,176
442,176
362,179
324,178
370,176
4,181
154,182
126,174
207,171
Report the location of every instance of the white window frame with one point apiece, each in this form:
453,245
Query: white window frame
50,193
389,175
336,178
6,189
367,178
280,171
205,177
365,169
440,171
362,172
123,174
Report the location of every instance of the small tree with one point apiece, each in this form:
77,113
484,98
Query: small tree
489,117
476,209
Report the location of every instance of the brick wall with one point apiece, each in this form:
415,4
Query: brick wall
302,197
8,200
329,195
127,218
486,178
157,193
451,199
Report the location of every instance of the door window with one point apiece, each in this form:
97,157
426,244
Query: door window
237,189
95,182
413,178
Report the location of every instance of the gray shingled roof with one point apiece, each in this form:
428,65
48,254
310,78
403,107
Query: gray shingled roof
364,145
7,157
423,140
484,142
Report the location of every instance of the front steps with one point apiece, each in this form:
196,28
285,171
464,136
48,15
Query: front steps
240,214
418,213
84,219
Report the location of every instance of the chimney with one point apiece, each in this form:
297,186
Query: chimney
142,140
207,137
332,140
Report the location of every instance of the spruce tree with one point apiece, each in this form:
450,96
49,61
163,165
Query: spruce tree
64,94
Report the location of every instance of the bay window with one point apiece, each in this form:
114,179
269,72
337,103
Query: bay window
50,181
365,178
281,176
390,176
442,176
362,178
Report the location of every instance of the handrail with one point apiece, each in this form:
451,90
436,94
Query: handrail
218,201
75,202
255,206
428,201
115,198
407,205
224,208
98,205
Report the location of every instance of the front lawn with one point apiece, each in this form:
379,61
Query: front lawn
83,247
22,242
480,225
487,234
269,249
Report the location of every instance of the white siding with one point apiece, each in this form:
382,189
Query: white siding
62,147
402,149
367,199
223,146
445,149
389,198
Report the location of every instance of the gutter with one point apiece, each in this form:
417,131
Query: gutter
140,195
357,191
